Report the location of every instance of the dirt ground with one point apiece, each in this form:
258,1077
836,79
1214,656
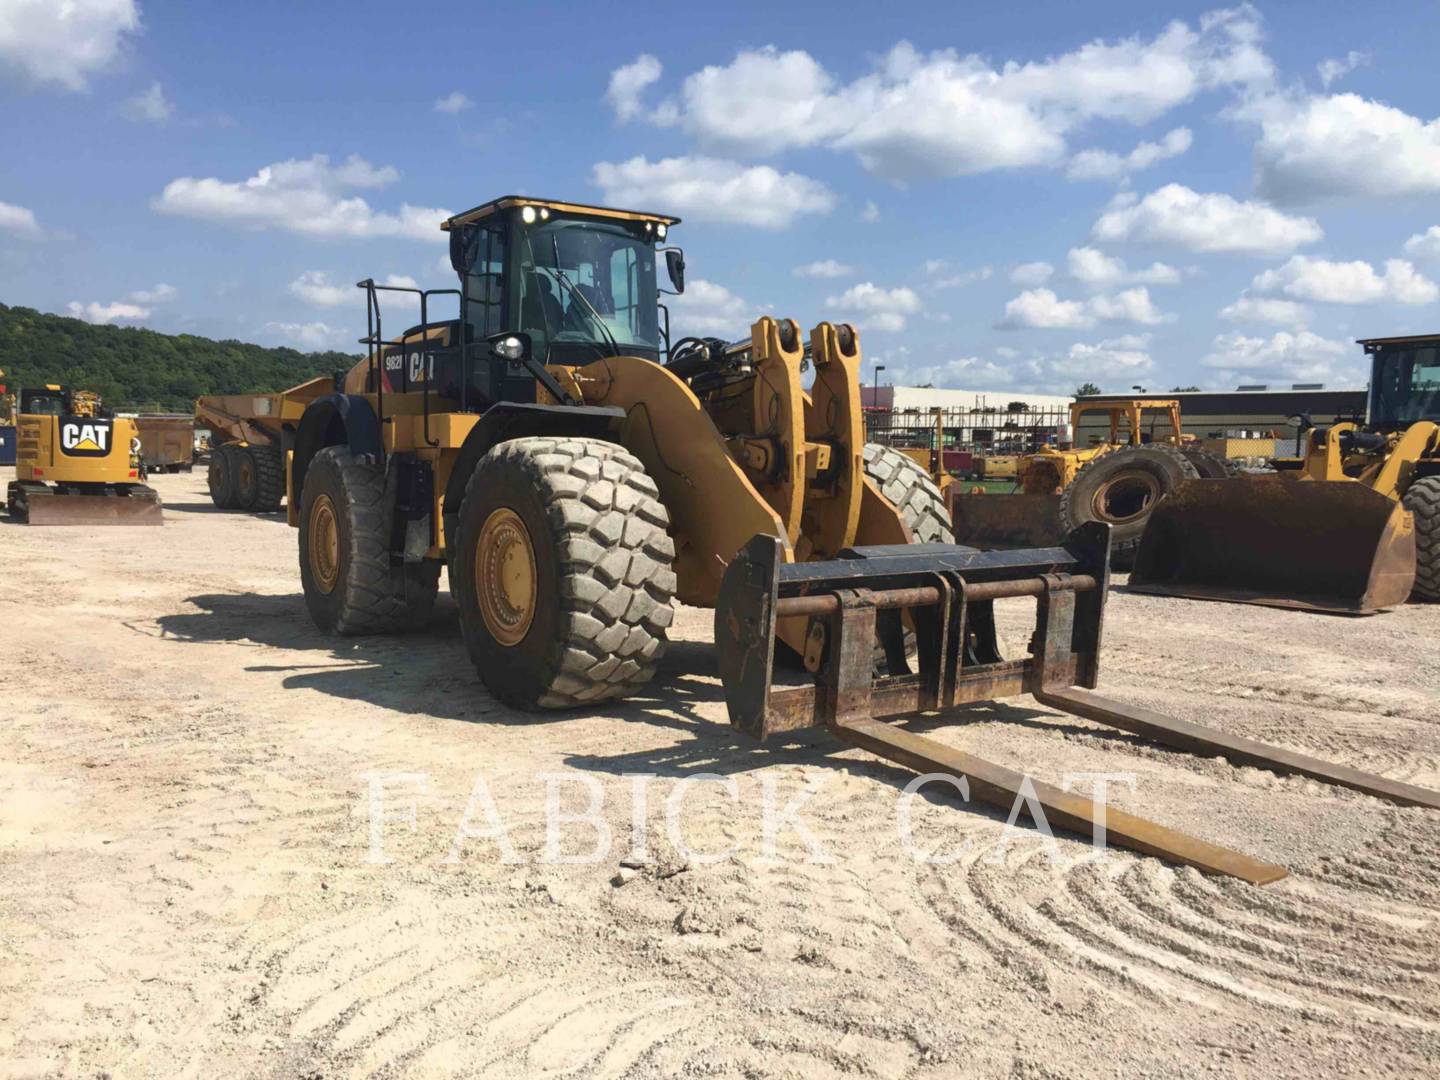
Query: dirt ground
188,884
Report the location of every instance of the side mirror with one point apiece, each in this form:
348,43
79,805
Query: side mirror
462,248
512,348
675,266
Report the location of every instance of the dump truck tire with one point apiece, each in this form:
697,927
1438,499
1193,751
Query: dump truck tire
1120,488
247,479
910,490
1210,466
1423,501
563,572
352,586
269,470
221,477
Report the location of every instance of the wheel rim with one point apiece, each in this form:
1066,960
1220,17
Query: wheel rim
246,472
324,544
505,580
1125,497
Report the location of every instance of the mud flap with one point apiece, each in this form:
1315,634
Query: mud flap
1320,545
140,507
1005,522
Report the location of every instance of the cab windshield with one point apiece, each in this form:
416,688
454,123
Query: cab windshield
1407,386
584,284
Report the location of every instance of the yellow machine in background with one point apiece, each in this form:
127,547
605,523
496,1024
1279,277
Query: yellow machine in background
77,464
1352,526
1117,482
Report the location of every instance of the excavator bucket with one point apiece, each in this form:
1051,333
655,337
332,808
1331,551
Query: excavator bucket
1321,545
140,507
1003,522
946,594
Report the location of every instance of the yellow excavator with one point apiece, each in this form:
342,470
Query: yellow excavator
578,474
1352,525
76,463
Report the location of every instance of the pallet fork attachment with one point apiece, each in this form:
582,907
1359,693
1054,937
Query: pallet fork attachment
946,593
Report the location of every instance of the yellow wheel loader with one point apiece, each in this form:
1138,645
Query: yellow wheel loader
76,463
1117,482
1352,526
578,474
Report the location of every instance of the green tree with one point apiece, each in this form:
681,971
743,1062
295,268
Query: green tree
1086,390
1184,389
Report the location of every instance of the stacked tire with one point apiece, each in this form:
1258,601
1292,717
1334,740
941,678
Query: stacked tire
1120,489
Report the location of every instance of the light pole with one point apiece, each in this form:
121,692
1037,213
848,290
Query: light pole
875,393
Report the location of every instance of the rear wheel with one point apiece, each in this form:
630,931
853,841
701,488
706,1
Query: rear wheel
1121,488
221,476
352,585
269,471
1423,501
563,572
247,481
909,488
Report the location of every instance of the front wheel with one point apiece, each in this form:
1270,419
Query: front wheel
1423,501
563,572
353,585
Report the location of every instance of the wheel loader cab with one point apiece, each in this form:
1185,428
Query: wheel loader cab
1405,382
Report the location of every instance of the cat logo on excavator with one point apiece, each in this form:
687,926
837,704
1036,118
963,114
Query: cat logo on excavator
85,438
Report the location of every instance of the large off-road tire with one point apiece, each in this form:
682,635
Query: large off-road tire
352,585
1210,466
269,470
247,479
221,476
1423,501
910,490
1120,488
562,568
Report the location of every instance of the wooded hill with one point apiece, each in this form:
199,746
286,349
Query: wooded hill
132,367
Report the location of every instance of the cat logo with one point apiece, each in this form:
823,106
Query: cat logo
85,437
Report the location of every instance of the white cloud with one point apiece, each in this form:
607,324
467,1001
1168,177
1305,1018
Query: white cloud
871,307
707,189
1355,282
64,41
871,212
944,275
628,84
1042,309
401,281
1032,273
1425,245
1129,305
1331,69
452,103
1123,358
1115,358
1265,310
1302,356
306,337
707,308
160,294
150,106
823,268
310,197
1103,165
1330,146
944,114
98,313
18,219
1176,215
1092,266
315,287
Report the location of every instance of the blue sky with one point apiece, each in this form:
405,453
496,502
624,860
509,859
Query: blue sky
1018,196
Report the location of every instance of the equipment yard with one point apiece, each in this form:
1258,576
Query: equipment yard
191,884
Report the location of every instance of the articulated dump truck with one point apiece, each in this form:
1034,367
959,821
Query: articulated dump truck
578,474
248,443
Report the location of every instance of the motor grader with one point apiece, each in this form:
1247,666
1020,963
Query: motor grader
578,474
76,463
1117,481
1352,525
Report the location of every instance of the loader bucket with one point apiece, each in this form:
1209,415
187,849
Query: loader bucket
1001,522
946,593
1321,545
50,508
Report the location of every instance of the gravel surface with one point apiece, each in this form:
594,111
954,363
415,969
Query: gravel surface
190,882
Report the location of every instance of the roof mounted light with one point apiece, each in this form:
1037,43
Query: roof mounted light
544,213
527,215
660,230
